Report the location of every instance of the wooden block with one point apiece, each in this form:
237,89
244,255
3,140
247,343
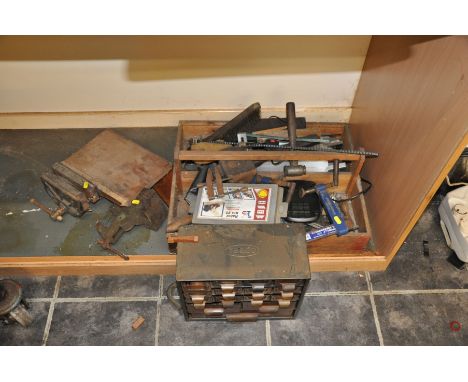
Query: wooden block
138,322
171,239
163,188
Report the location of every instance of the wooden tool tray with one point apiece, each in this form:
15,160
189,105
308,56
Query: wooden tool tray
355,243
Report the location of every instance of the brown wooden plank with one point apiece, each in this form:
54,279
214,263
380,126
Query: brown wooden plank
362,262
319,128
356,168
333,244
176,178
163,187
194,128
317,177
187,178
87,265
411,107
204,128
158,264
264,155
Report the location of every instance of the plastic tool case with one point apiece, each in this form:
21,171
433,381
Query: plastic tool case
242,273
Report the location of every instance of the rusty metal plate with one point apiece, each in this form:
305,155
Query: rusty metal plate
243,252
120,168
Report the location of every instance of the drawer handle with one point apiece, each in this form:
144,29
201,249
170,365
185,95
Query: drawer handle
242,317
256,303
196,291
198,284
287,295
193,288
228,287
258,287
198,301
227,304
228,296
268,309
213,311
288,287
284,303
197,298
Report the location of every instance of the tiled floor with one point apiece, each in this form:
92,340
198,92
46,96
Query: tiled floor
412,303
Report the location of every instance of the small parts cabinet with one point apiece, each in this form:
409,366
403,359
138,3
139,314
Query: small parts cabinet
242,272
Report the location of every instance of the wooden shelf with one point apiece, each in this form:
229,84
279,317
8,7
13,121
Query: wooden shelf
410,107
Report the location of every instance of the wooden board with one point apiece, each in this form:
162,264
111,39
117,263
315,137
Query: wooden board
147,118
155,265
120,168
411,107
265,155
87,265
163,188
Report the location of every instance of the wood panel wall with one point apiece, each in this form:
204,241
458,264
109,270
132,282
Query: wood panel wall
411,106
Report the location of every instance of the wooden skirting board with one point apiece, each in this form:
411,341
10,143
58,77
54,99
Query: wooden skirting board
152,118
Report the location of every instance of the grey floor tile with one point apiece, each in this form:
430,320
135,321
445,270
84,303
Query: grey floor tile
96,323
15,334
109,286
337,282
36,287
174,330
328,320
168,280
423,319
410,269
428,226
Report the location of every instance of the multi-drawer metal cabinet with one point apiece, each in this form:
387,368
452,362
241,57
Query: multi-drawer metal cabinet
242,273
242,300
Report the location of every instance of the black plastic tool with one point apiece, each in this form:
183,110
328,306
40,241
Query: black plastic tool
307,209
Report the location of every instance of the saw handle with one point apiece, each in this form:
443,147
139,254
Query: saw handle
292,126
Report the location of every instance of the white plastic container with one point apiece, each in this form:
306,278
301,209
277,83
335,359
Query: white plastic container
453,213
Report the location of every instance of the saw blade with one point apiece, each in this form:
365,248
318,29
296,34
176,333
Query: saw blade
317,148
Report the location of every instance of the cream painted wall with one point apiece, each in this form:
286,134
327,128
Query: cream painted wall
183,73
